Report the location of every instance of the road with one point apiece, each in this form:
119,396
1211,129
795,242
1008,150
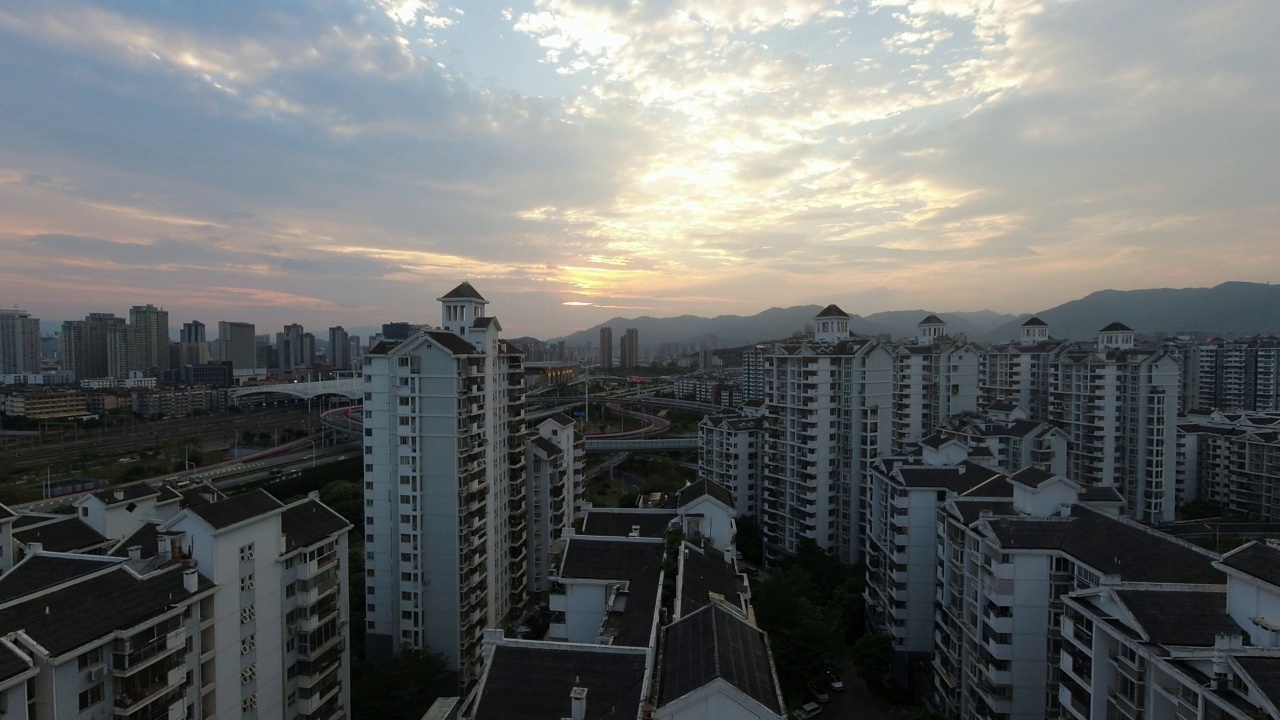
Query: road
857,702
231,475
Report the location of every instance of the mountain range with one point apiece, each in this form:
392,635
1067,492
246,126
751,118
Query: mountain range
1232,308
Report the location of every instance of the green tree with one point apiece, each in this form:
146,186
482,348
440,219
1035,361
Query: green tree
400,687
872,657
347,499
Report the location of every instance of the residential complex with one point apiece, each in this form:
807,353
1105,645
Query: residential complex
445,486
155,603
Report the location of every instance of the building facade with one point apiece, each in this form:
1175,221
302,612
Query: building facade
19,342
445,452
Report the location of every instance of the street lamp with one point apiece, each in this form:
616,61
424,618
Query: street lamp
313,453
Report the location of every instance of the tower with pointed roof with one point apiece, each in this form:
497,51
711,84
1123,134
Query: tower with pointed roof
831,325
460,307
930,330
1116,336
1034,331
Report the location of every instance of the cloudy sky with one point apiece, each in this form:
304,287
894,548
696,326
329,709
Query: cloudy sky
347,162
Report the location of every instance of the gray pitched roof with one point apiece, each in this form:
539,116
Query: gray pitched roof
237,508
66,535
1116,327
532,682
1031,477
12,664
1035,322
463,292
618,523
832,311
126,493
1264,675
931,320
145,538
1259,559
309,522
37,572
701,487
715,643
1180,617
451,342
705,571
70,617
639,563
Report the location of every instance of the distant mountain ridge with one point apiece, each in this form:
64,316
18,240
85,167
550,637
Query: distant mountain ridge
1238,308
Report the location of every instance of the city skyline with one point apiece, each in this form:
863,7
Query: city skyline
585,161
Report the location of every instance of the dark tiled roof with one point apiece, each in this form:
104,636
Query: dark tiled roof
705,571
11,663
639,563
699,488
1116,327
618,523
451,342
546,446
715,643
309,522
1180,617
1258,559
127,493
145,538
832,311
67,618
931,320
1100,493
1264,675
463,292
1035,322
1112,546
6,513
66,535
1031,477
237,508
168,494
484,322
562,419
37,572
1002,406
957,479
29,519
533,683
997,487
382,347
971,511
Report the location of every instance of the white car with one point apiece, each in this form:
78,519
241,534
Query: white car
809,710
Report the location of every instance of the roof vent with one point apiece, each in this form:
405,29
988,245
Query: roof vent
578,703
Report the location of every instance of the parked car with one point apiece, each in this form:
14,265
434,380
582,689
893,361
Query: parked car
835,682
809,710
819,692
750,571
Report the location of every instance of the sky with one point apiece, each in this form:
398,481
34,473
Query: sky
343,162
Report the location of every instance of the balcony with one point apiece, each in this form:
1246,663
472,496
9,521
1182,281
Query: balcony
152,701
313,698
319,615
313,568
313,672
128,658
310,592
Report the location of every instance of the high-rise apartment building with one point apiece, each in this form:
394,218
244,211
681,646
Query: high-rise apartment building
1238,375
827,404
557,458
339,348
1118,404
933,378
445,459
19,342
148,339
606,348
193,346
730,449
1017,373
96,347
753,374
629,348
237,343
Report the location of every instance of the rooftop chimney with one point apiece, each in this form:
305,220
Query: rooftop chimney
34,548
578,703
135,552
190,581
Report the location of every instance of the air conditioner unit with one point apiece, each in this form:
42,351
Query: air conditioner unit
97,673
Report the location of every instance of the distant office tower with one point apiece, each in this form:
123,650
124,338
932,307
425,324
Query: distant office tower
339,348
95,347
193,348
445,494
397,331
606,348
629,348
148,339
295,349
238,344
19,342
1238,375
827,416
1118,404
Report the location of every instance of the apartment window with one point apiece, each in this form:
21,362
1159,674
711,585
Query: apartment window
368,573
248,613
368,521
249,703
370,607
248,674
291,700
368,449
290,590
246,582
89,659
368,432
248,644
288,563
368,503
90,697
246,552
368,467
